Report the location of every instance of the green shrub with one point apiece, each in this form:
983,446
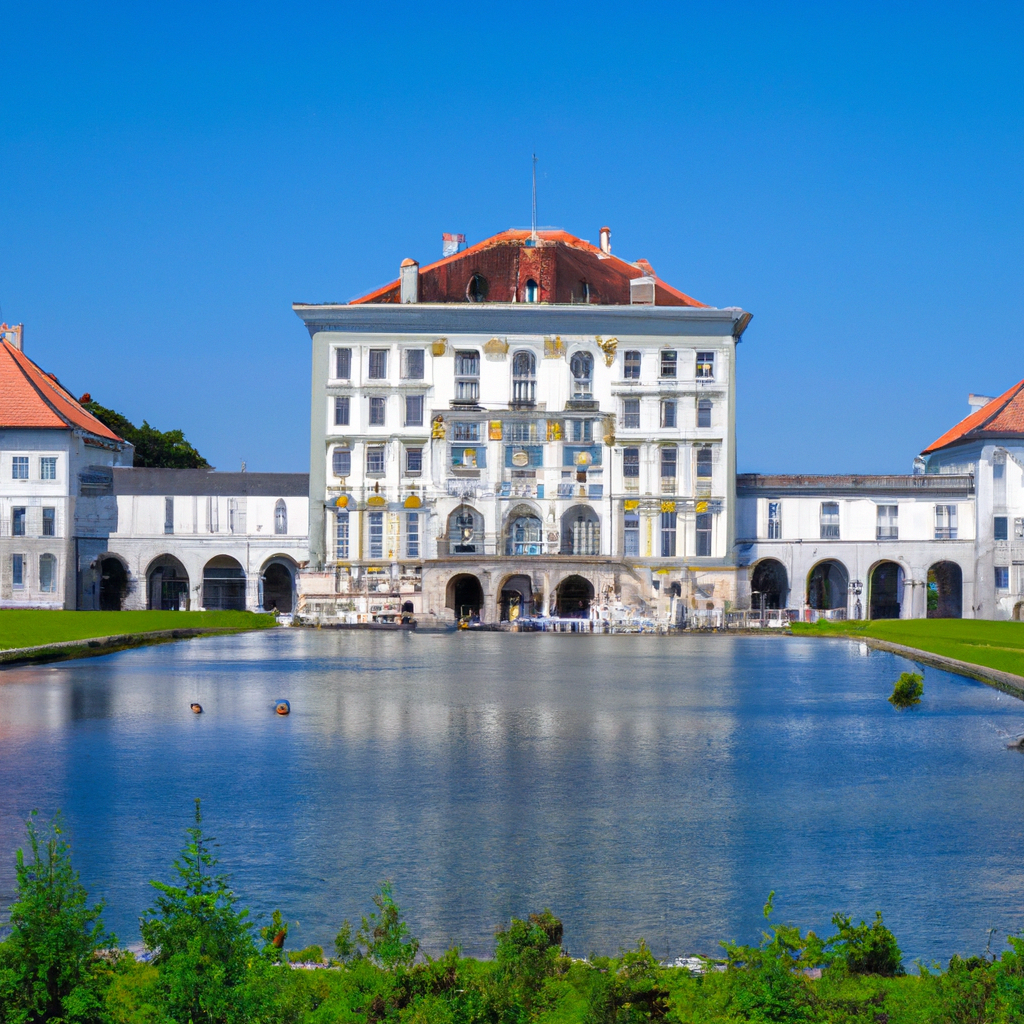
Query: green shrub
309,955
865,949
907,690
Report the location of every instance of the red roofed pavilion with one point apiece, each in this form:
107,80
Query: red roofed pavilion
1002,417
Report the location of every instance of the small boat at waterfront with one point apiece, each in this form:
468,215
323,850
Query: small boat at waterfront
282,707
197,709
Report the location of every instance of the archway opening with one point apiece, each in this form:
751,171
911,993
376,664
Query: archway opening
525,535
465,596
465,531
945,591
827,586
581,531
516,598
223,585
113,584
167,585
886,586
277,588
573,598
769,585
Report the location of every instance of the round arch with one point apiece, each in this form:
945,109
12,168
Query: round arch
166,584
769,585
573,597
945,591
278,578
515,598
885,590
223,584
113,573
524,531
465,596
465,531
828,585
581,531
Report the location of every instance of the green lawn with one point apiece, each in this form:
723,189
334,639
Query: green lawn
998,645
33,627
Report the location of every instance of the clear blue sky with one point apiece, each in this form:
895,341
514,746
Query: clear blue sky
174,176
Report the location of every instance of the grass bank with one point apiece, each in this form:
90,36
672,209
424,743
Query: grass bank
32,627
995,645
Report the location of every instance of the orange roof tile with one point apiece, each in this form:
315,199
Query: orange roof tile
1002,417
29,397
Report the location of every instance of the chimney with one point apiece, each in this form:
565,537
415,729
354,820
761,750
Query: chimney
977,402
14,335
606,240
409,275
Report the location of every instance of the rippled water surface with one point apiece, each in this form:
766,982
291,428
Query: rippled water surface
655,786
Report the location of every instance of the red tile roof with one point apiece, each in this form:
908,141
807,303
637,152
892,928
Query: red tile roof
1002,417
30,397
560,264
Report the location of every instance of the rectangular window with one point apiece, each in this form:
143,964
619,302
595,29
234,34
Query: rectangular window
668,534
17,522
668,463
775,520
341,410
341,529
521,431
705,464
48,468
1018,529
631,463
19,467
704,413
1002,577
413,461
945,522
888,527
462,430
467,377
343,363
47,574
704,534
378,364
18,571
376,534
49,522
212,515
630,365
705,366
669,362
414,410
582,430
631,414
412,535
342,462
413,369
631,535
378,407
168,515
829,520
375,460
1000,529
668,413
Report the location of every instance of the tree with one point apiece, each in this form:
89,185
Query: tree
205,951
50,965
384,935
153,448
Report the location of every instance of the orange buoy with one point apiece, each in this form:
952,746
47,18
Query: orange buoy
197,709
282,707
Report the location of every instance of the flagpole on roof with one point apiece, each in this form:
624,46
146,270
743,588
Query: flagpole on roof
533,233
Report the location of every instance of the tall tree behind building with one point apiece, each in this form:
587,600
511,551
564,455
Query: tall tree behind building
154,448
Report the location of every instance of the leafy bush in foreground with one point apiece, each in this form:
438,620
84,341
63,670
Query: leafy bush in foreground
907,690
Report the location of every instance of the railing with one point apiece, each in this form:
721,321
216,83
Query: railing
467,391
524,392
945,533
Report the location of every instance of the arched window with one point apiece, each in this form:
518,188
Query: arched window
532,291
525,536
581,532
280,516
584,291
476,290
524,378
465,531
582,367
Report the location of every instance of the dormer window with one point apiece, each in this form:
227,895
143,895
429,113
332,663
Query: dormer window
476,290
532,291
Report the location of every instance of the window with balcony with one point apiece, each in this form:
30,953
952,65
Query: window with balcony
631,535
829,520
945,522
704,534
631,463
519,431
668,413
49,522
414,410
631,365
342,405
704,413
343,363
467,377
524,378
375,460
775,520
18,522
668,534
705,463
705,366
669,364
465,430
581,430
582,368
888,527
341,462
376,534
378,411
341,534
631,414
19,467
18,571
1000,528
412,535
412,364
48,468
413,461
378,364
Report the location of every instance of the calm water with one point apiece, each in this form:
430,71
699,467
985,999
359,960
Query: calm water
654,786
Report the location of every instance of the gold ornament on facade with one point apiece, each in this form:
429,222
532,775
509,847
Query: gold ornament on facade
437,428
554,348
439,347
608,348
496,349
554,430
